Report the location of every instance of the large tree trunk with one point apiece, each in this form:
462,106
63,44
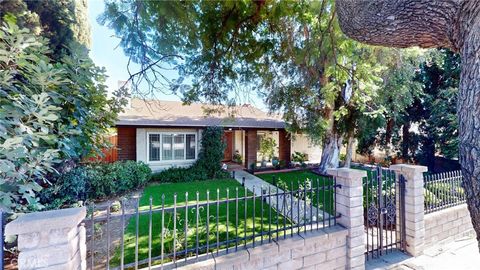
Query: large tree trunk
348,157
469,115
331,152
454,24
331,146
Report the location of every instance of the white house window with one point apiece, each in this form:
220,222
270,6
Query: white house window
154,147
167,147
191,146
179,146
172,146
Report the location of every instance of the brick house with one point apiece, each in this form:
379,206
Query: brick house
167,133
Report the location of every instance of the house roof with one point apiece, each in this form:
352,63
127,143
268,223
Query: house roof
174,113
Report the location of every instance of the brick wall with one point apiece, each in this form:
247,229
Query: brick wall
250,147
323,249
284,146
447,225
127,143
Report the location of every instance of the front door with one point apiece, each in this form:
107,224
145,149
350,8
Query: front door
228,139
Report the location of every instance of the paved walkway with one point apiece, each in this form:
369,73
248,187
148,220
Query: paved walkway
296,213
462,254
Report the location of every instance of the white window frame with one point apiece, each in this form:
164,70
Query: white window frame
161,133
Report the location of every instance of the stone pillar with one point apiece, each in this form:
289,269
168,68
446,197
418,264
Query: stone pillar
349,203
51,239
414,208
250,148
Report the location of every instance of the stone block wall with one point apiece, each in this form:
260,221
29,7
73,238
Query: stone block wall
447,225
414,206
349,205
323,249
51,239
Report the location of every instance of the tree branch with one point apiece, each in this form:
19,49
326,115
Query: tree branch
401,23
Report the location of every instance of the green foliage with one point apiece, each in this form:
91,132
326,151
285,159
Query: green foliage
267,148
437,194
211,152
291,52
107,179
428,88
237,158
208,165
179,174
68,189
95,181
398,92
437,108
299,157
62,22
49,112
301,179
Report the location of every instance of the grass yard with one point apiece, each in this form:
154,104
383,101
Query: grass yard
169,189
324,199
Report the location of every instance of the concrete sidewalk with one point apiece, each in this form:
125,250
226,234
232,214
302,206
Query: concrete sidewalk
462,254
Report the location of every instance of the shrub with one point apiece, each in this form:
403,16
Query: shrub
207,166
68,189
237,158
299,157
267,148
50,111
116,178
211,153
95,181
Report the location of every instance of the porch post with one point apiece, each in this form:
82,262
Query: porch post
349,205
250,148
414,208
284,146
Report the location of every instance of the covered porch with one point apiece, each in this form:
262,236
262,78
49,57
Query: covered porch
243,147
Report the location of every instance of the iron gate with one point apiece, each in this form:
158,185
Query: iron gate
384,212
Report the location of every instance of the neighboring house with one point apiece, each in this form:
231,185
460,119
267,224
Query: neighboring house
166,133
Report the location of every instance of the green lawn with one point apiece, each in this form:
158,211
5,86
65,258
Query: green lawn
324,199
169,189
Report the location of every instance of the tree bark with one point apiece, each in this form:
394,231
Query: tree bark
406,140
454,24
401,23
331,152
468,109
348,157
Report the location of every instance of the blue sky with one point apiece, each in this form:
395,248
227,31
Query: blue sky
105,52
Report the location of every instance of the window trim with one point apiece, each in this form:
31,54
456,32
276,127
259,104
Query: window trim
161,133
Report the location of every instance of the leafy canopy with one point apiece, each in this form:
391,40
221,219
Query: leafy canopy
50,111
291,52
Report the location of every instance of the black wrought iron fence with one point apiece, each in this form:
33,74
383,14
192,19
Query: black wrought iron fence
178,231
443,190
383,211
